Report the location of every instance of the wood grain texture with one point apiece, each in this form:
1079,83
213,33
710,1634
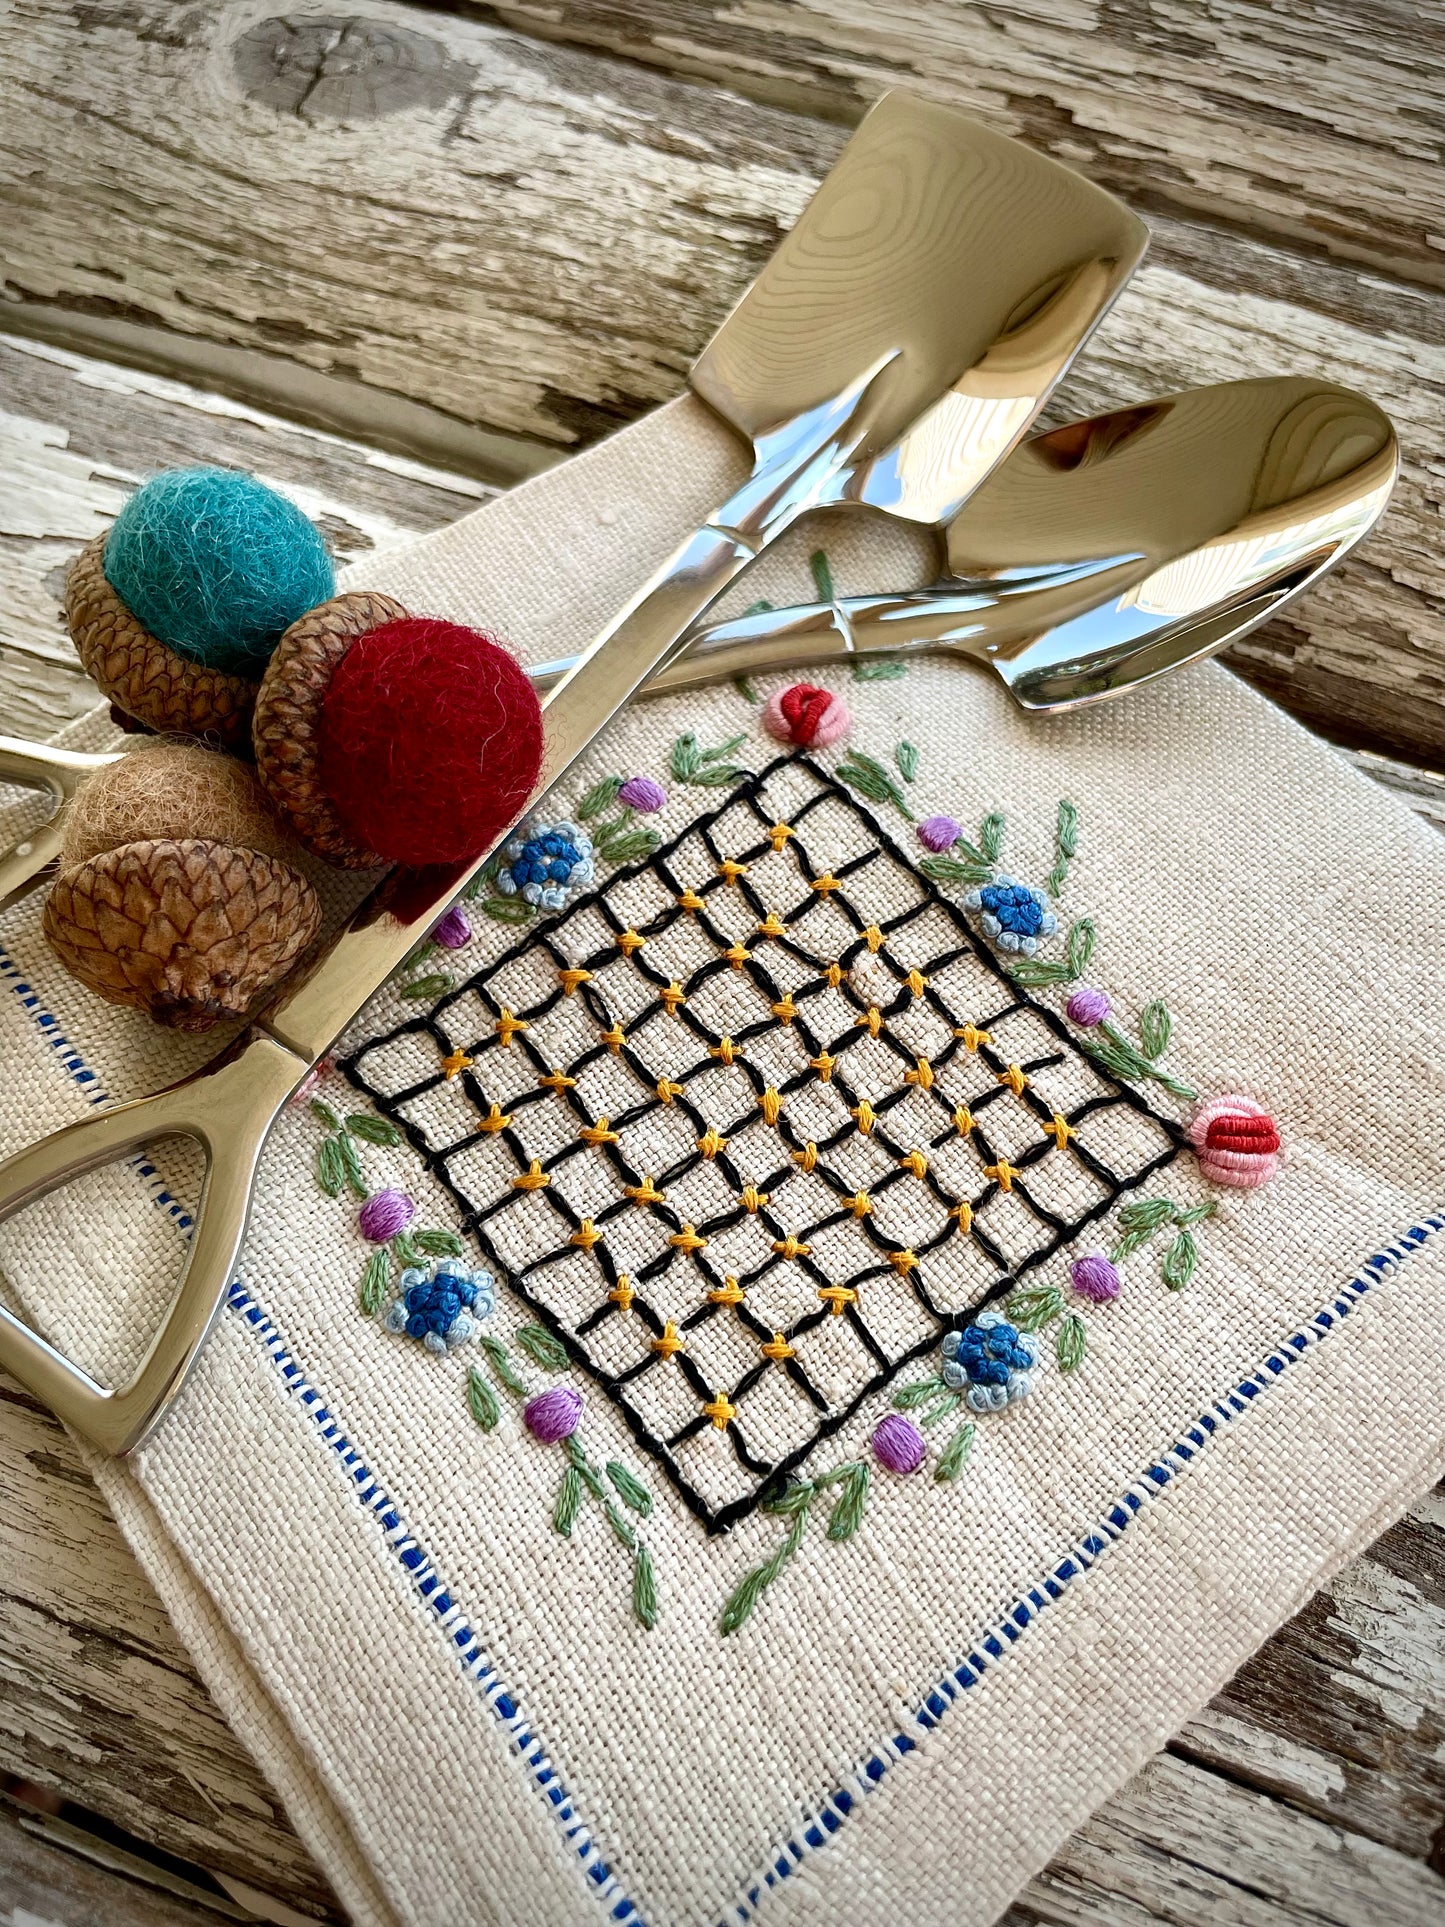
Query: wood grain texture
1318,125
543,239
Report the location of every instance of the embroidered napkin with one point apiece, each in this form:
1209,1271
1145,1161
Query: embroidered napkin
801,1413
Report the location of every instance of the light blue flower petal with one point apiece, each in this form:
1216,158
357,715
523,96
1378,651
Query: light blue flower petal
395,1320
950,1343
506,883
532,892
413,1275
953,1375
1019,1386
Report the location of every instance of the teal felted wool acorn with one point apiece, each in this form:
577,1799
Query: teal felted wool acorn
175,612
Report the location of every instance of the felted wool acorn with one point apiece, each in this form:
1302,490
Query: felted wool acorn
176,609
175,895
389,738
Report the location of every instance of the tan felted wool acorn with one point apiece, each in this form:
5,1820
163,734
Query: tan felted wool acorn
174,894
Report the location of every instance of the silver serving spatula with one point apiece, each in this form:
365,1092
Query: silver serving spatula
895,347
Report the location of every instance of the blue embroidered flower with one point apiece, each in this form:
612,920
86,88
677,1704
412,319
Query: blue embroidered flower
1013,916
545,863
993,1358
444,1307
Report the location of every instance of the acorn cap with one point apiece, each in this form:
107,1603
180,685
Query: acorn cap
287,722
190,930
143,677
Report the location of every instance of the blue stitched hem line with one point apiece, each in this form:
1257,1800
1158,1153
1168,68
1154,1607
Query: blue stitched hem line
990,1646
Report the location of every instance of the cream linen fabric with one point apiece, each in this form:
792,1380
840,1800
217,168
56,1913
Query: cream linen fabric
1294,919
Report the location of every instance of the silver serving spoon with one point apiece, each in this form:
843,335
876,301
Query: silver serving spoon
1108,552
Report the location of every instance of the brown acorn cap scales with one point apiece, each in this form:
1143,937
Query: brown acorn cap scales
144,677
187,929
287,722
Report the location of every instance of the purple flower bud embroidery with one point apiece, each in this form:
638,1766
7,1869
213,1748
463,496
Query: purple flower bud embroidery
939,833
1095,1278
554,1414
1088,1007
453,930
643,794
384,1214
898,1444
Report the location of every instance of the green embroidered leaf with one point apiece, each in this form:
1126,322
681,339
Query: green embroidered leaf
484,878
990,837
439,1244
1034,1306
847,1514
1196,1214
644,1588
372,1130
912,1396
509,909
569,1502
870,779
320,1108
1081,946
1120,1058
719,776
502,1365
906,757
630,1489
794,1502
1155,1024
600,797
948,869
351,1164
482,1400
330,1171
588,1472
1147,1212
375,1282
627,849
685,757
436,984
758,608
1035,972
542,1348
690,764
742,684
404,1249
822,575
955,1454
724,749
1071,1343
944,1406
1066,844
1180,1260
870,669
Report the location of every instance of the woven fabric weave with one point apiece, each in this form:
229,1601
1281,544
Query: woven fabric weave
456,1701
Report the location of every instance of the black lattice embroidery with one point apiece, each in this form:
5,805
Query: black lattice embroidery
789,1137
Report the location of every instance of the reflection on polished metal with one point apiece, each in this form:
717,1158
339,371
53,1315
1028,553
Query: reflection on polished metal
1108,552
897,345
58,772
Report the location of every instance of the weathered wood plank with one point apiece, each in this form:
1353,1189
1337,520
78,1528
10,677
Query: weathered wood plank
1317,126
543,238
46,1880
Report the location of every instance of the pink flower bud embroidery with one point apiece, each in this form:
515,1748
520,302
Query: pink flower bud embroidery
1236,1141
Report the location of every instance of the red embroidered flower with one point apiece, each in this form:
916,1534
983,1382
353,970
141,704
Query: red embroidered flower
805,714
1236,1141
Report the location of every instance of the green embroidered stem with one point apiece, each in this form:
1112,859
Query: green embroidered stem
847,1514
582,1475
482,1401
949,869
868,776
794,1503
434,985
944,1406
822,575
405,1249
1034,1307
509,909
1142,1218
758,608
873,669
569,1502
956,1453
906,757
627,849
1066,844
990,837
743,685
1114,1051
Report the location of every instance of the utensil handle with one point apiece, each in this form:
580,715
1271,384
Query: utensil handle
228,1110
45,767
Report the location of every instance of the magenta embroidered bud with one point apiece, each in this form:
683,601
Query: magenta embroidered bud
642,793
384,1214
939,833
554,1414
898,1444
1088,1007
1095,1278
453,930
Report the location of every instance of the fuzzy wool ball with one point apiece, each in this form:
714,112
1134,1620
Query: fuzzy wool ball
216,565
170,790
431,741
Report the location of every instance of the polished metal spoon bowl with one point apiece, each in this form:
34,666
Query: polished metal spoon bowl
1106,553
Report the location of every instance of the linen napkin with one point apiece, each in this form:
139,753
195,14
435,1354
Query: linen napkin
946,1430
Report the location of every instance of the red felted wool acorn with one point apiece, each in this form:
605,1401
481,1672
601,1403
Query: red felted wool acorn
390,738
